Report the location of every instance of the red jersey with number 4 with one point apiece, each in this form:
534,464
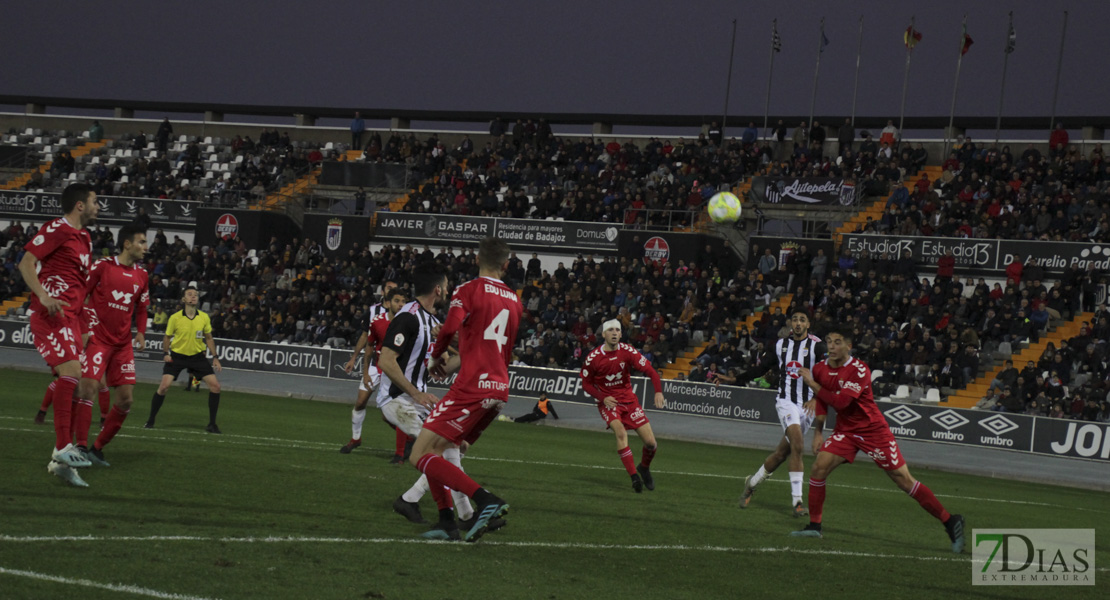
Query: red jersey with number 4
610,373
485,312
116,293
847,388
64,253
378,326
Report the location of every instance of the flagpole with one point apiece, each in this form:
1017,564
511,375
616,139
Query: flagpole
1002,92
1059,66
855,86
728,84
770,73
906,78
955,89
817,71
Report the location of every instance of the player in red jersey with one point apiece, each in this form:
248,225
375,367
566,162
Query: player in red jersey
606,375
484,313
55,269
844,383
118,291
392,301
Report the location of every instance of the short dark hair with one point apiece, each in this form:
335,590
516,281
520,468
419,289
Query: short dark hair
392,293
425,278
844,332
492,252
128,233
74,193
191,287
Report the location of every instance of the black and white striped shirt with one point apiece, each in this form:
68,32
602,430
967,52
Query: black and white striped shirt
371,314
794,355
410,336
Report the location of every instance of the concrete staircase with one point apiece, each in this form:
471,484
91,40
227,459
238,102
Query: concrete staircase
682,362
14,303
876,208
21,180
977,389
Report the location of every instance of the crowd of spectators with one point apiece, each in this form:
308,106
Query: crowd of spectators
1071,381
989,192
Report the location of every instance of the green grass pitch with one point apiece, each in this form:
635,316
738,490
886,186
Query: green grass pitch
271,509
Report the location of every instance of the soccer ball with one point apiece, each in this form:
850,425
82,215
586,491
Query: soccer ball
724,207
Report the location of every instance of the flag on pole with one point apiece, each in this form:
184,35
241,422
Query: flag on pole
776,41
824,39
911,37
967,42
1011,39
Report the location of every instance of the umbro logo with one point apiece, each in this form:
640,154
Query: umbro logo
998,425
949,419
902,415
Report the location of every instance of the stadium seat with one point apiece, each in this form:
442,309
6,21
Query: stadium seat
1004,350
916,394
932,396
877,373
902,393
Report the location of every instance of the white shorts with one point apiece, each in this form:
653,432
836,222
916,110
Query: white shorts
793,414
403,414
375,379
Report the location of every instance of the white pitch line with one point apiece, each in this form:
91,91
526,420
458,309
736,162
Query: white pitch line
112,587
485,541
310,445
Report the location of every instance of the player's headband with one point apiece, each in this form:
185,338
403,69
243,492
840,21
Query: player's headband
610,324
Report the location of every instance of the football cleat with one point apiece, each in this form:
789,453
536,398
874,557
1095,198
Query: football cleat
66,473
799,510
811,530
955,528
351,445
443,531
645,475
397,460
637,483
493,525
211,428
408,510
71,456
96,457
492,508
148,425
746,497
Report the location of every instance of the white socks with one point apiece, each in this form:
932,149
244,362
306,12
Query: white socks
796,486
759,476
357,417
417,491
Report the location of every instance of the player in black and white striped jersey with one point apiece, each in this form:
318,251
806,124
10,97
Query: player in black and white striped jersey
799,350
366,389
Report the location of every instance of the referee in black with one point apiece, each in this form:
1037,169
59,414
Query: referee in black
188,334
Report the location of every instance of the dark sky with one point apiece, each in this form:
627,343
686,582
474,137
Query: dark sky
649,57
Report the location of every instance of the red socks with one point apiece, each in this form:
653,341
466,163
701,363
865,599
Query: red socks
928,501
105,399
111,427
816,499
48,398
63,410
442,473
401,440
81,420
647,455
626,458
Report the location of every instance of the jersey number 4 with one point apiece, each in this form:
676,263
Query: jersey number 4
496,329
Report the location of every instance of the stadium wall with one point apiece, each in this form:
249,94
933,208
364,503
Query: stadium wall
1079,440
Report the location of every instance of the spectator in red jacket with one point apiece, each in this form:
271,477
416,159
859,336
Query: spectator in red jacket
1013,270
1058,141
946,267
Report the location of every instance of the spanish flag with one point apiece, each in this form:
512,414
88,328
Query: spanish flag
911,37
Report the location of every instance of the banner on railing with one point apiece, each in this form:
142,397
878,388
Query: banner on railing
820,191
979,256
1008,431
528,234
114,210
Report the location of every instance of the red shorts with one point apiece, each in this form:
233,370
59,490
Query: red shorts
458,420
118,362
628,411
879,445
57,338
